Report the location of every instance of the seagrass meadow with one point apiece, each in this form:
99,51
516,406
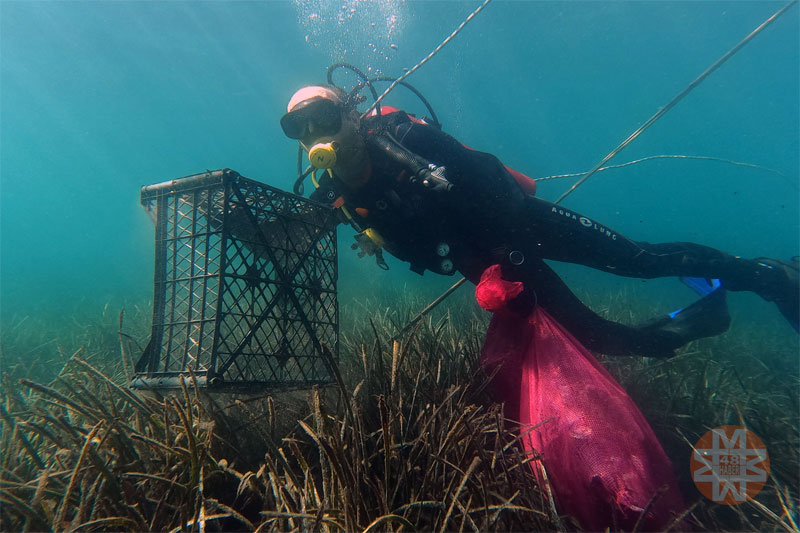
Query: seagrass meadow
407,439
99,99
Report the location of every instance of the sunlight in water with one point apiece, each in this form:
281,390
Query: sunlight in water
337,25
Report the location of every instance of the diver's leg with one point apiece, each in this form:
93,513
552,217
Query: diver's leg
545,288
563,235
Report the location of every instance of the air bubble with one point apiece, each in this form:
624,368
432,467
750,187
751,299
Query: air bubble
337,27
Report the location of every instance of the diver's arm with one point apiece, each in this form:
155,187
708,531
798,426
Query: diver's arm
477,176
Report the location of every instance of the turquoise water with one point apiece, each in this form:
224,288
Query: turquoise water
100,98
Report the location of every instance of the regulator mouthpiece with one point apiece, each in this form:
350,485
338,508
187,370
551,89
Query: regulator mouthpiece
323,155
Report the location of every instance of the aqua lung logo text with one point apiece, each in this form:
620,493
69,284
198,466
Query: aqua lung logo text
586,222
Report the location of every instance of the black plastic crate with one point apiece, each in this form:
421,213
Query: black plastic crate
245,286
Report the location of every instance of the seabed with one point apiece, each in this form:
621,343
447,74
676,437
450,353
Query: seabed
407,439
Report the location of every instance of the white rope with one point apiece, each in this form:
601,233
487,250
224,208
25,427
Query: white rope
651,157
718,63
418,65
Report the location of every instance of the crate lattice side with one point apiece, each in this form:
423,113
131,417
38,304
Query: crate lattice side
245,288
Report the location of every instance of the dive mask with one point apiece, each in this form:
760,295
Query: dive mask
321,115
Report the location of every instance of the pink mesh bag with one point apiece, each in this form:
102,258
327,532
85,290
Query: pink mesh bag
603,461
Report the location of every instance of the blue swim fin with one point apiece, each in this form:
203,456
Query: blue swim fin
702,286
706,317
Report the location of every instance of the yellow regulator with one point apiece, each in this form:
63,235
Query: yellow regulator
374,236
323,155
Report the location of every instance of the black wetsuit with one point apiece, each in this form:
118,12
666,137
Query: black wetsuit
487,215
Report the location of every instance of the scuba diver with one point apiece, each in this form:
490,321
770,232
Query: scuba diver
429,200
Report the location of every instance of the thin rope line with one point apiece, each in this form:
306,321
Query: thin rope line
418,65
648,158
718,63
430,307
394,84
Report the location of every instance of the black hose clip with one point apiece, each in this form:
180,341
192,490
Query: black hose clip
432,178
422,172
